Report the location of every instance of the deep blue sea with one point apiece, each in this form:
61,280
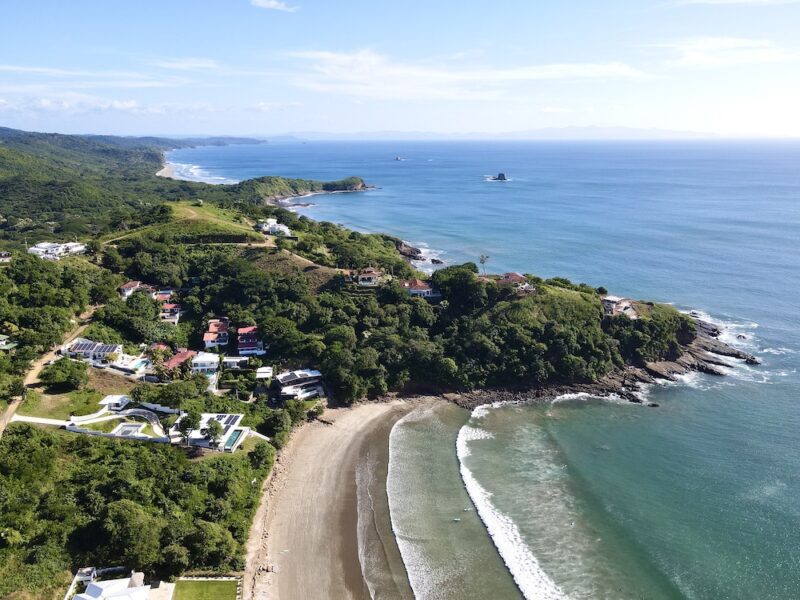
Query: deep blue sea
588,498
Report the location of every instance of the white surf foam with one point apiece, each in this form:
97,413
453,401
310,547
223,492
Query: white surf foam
529,576
191,172
428,253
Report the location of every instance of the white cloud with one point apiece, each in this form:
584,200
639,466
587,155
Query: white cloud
274,5
188,64
370,75
76,103
726,51
58,78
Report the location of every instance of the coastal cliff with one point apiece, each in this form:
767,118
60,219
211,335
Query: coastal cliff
276,189
704,354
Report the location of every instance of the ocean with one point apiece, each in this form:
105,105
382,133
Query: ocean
587,497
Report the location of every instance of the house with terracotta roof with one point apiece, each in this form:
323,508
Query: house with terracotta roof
248,341
127,289
369,277
417,288
217,333
171,312
180,357
519,282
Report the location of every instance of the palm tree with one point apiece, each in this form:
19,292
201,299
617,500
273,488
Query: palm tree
483,260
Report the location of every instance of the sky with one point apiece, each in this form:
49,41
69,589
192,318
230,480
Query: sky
268,67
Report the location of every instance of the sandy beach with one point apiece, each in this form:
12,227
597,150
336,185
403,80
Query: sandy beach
167,171
326,499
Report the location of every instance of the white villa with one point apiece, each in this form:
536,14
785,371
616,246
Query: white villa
127,588
369,277
92,351
272,227
115,402
217,333
302,384
417,288
263,373
205,363
232,433
5,257
55,251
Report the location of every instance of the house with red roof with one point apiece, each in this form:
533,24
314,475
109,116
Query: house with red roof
369,277
417,288
127,289
171,312
217,333
249,342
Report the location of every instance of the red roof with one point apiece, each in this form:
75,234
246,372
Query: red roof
218,326
130,285
210,336
179,359
415,284
513,278
171,306
249,329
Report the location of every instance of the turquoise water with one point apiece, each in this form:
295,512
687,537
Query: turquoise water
587,498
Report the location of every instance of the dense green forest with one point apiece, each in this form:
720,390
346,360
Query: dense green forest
67,500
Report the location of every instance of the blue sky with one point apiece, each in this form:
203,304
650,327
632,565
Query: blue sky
264,67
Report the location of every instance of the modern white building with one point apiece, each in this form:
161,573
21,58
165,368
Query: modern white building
614,305
205,363
232,432
272,227
115,402
92,351
263,373
5,257
56,251
126,588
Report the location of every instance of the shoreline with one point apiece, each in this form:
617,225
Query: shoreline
309,513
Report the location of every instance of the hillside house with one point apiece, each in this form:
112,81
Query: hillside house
171,313
233,434
6,344
417,288
217,333
180,357
248,342
81,348
615,305
369,277
205,363
126,588
56,251
5,257
115,402
517,281
272,227
127,289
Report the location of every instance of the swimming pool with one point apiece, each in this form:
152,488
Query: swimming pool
232,439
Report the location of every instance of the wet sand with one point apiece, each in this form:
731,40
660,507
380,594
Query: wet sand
325,503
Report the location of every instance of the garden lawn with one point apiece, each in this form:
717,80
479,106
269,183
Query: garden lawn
205,590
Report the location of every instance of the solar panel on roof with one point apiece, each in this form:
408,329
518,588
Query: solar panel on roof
230,420
225,431
220,417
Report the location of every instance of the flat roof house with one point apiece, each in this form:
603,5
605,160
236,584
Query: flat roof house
115,402
127,588
88,350
205,363
5,257
232,432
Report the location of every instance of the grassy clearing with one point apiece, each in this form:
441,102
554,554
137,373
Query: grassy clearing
79,402
286,263
61,406
205,590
